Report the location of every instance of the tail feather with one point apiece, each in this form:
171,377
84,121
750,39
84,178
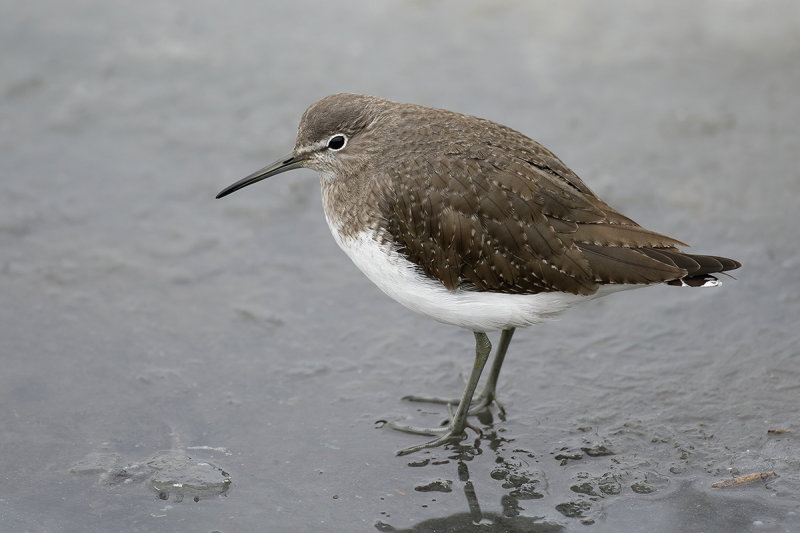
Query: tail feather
701,275
646,265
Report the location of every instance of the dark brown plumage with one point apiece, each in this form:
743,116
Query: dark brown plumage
478,205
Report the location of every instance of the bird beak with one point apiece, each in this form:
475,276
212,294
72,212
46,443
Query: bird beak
282,165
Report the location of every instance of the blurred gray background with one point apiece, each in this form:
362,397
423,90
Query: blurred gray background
156,343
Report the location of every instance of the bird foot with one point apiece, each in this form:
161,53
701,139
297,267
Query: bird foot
482,402
446,435
452,432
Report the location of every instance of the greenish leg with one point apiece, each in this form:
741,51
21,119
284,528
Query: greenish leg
458,422
489,392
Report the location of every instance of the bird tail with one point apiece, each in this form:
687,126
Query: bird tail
699,268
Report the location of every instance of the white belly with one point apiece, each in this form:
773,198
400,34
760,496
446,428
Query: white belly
479,311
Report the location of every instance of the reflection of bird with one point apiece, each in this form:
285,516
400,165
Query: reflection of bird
472,223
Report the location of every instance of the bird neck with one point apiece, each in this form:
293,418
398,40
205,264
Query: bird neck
350,204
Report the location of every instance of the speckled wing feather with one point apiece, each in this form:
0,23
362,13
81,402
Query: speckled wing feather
500,213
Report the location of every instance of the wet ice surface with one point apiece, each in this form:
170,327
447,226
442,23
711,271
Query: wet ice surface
170,472
144,324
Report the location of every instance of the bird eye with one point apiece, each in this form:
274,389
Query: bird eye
337,142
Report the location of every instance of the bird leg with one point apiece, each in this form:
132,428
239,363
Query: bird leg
458,422
489,392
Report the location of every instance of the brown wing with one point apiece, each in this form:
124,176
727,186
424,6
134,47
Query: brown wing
517,220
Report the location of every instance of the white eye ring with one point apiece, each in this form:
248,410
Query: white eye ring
335,140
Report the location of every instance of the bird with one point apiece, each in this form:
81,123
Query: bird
473,224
